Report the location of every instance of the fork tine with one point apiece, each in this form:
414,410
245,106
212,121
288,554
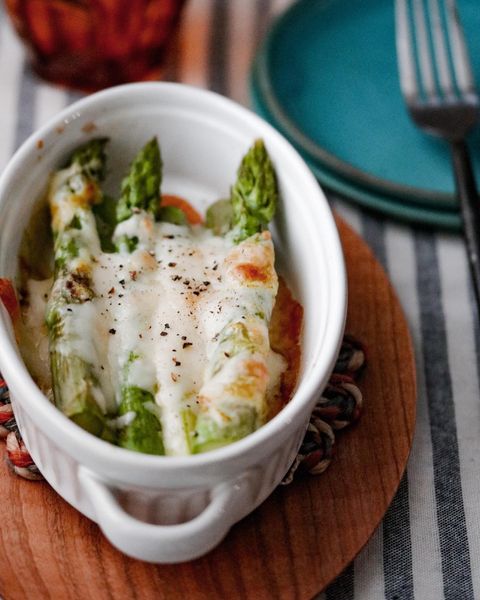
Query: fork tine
406,60
440,47
461,61
424,57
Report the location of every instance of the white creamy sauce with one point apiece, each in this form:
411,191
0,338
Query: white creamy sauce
74,331
166,303
140,226
33,332
123,420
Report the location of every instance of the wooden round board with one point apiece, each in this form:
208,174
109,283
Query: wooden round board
293,545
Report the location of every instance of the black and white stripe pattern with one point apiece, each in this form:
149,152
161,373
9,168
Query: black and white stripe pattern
428,546
397,551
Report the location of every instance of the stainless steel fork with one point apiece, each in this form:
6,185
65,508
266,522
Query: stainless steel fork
438,86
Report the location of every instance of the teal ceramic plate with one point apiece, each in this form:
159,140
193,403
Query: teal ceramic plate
326,74
401,209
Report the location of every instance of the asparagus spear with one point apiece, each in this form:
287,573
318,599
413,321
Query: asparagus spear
144,432
232,399
254,195
140,188
139,197
232,396
139,201
106,220
73,191
253,198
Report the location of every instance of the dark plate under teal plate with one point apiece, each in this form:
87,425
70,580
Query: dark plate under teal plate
327,75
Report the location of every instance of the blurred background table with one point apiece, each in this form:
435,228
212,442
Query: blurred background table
428,545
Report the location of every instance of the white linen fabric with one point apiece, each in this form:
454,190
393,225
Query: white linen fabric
428,545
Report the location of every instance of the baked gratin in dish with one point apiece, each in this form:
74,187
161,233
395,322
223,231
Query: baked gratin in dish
148,324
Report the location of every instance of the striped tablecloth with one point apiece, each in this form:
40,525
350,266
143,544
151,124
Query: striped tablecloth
428,545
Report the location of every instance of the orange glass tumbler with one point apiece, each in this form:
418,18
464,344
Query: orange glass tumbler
94,44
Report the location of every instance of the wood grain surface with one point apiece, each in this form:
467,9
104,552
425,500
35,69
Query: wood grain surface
289,548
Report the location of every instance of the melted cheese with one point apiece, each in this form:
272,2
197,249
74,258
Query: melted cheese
32,332
167,303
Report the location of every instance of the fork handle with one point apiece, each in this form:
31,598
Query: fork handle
469,208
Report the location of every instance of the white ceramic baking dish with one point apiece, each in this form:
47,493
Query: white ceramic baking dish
172,509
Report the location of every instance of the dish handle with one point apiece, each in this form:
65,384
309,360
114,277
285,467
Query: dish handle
167,543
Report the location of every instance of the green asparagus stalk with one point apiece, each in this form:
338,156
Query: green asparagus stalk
141,187
232,399
254,195
144,432
73,192
139,196
106,220
253,198
233,392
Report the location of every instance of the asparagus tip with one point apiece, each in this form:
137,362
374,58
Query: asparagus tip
91,158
